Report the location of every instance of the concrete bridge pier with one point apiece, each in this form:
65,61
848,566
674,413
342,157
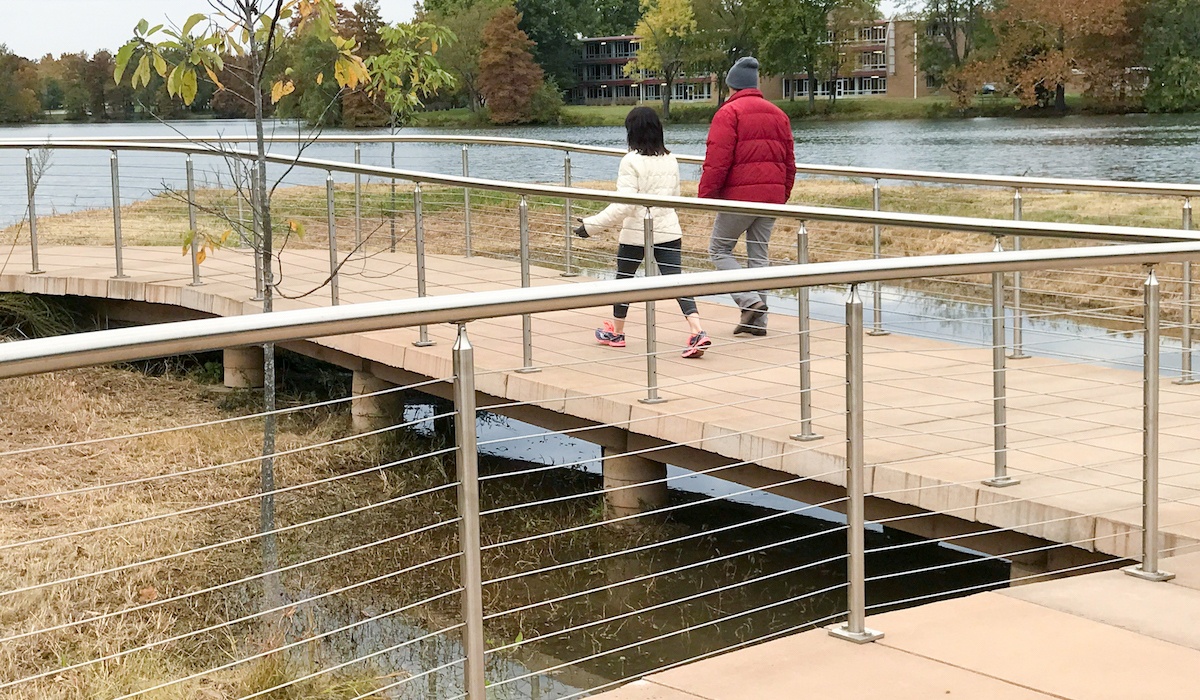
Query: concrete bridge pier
373,412
643,478
243,367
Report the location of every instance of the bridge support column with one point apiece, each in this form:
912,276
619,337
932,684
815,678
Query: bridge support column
370,410
244,367
639,482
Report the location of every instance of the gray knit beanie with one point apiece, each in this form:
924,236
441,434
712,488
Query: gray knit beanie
744,74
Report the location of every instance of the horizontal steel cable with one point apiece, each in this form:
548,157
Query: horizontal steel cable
213,467
217,545
222,625
294,681
655,545
668,572
228,584
668,635
677,601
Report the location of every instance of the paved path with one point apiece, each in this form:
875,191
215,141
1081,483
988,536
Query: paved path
1074,436
1096,637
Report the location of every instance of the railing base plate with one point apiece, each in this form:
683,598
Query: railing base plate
529,370
37,272
1186,382
878,334
569,274
1137,572
1001,482
425,343
652,402
811,437
864,637
1019,356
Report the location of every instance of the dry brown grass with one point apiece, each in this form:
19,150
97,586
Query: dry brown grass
86,404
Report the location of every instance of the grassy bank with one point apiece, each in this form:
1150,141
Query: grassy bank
845,109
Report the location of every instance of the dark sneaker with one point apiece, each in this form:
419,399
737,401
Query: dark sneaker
609,336
696,346
753,320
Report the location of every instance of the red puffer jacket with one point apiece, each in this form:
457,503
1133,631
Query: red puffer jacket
751,153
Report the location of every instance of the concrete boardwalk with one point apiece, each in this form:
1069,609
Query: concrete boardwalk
1074,430
1096,637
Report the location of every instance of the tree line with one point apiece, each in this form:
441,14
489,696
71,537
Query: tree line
512,60
1127,54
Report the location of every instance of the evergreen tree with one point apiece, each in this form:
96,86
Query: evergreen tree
508,76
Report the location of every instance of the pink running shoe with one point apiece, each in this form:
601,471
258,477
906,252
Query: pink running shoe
696,346
609,336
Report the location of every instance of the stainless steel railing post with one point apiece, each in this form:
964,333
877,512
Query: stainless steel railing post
1148,569
471,566
358,199
806,433
877,253
1186,373
423,340
115,167
195,235
651,264
31,192
568,229
526,319
855,629
466,171
1018,333
333,252
1000,477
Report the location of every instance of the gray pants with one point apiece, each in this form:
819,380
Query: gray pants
726,232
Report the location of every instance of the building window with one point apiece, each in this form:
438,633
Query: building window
872,60
875,34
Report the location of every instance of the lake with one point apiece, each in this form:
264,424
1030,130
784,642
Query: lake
1136,147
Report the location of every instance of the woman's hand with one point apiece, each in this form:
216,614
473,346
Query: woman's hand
581,230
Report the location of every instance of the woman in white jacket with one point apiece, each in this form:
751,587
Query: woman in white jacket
648,168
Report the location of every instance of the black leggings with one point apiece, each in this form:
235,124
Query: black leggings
669,258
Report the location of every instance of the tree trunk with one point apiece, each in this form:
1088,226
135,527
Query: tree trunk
812,94
1060,98
269,546
668,84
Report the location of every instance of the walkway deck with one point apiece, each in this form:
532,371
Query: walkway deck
1093,637
1074,434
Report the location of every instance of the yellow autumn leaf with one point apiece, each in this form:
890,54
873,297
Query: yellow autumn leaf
320,78
213,77
201,256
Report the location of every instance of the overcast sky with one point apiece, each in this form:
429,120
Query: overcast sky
66,26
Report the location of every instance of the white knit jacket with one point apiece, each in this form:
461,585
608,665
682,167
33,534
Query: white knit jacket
639,174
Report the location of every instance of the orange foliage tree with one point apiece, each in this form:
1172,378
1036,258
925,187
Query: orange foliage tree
1043,45
508,76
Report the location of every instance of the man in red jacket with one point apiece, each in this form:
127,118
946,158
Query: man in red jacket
751,157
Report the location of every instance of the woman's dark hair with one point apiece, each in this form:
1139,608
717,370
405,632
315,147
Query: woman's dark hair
644,132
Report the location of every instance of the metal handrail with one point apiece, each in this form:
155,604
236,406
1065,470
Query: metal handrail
993,227
103,347
1165,189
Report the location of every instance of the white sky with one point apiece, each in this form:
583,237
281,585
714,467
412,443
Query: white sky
65,26
39,27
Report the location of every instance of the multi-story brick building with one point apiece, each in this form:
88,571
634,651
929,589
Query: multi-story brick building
602,78
878,60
